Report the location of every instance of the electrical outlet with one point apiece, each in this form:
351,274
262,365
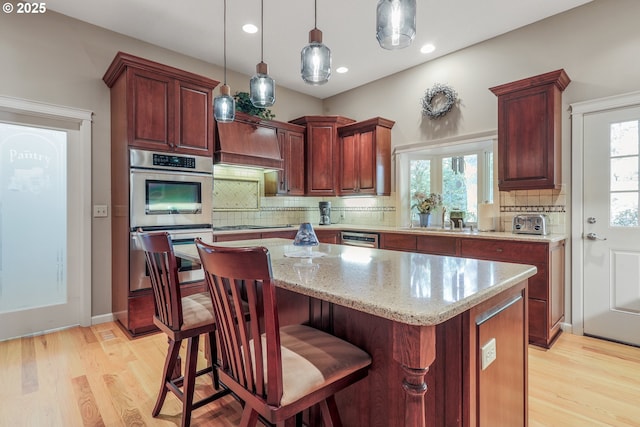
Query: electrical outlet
489,353
100,211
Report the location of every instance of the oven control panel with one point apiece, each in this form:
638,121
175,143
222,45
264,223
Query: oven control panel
169,160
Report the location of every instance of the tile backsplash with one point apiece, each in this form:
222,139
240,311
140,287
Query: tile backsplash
240,203
550,202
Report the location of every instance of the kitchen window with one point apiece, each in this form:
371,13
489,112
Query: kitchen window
461,172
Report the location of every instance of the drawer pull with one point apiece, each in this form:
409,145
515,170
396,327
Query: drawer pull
499,250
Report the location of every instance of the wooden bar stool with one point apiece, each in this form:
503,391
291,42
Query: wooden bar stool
180,318
286,370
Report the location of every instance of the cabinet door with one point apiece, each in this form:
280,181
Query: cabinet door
358,163
349,163
526,140
151,110
321,166
194,119
294,163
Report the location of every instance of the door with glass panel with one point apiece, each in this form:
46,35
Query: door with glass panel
611,227
35,293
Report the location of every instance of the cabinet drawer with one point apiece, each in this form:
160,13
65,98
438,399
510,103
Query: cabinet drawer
500,250
237,236
284,234
437,245
399,242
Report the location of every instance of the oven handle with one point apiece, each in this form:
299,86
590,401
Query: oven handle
362,245
138,170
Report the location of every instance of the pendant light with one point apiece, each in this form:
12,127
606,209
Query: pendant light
262,88
396,23
224,106
315,57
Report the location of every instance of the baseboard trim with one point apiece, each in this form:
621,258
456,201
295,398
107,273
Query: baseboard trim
566,327
103,318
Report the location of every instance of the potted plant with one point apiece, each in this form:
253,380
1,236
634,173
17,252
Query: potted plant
425,204
244,104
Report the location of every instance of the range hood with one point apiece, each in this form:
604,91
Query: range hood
248,142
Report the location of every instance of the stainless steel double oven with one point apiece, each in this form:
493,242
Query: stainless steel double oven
171,193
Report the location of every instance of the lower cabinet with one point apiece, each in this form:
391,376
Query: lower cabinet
546,287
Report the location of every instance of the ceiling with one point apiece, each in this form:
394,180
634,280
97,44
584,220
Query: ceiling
195,28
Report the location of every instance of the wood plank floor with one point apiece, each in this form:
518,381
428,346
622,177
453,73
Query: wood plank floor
98,377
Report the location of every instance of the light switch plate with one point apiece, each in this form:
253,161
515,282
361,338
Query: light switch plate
489,353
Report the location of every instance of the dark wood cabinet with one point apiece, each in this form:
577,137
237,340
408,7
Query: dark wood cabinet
322,153
546,287
365,157
162,108
290,180
529,132
154,107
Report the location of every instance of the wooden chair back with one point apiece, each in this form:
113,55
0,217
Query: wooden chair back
235,275
163,272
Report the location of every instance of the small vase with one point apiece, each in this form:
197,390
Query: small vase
425,219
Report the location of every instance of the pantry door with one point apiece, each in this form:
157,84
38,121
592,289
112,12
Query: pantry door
44,225
610,224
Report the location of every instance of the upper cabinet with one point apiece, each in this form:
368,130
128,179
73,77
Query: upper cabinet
322,153
529,132
289,181
157,107
365,158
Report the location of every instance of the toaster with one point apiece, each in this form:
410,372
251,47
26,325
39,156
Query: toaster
531,224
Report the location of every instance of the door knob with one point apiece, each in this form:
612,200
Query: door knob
594,236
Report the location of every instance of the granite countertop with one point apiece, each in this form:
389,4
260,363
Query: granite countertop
434,231
410,288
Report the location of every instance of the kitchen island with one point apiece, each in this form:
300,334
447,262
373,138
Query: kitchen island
431,324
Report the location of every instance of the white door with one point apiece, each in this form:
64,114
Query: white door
611,231
44,227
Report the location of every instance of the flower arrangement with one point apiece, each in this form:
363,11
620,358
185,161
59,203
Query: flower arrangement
426,202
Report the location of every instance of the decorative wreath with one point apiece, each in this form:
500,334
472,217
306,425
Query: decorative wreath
445,96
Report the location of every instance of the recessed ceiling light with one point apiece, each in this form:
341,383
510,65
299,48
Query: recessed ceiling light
249,28
342,70
427,48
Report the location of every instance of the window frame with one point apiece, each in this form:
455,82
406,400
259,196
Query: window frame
481,145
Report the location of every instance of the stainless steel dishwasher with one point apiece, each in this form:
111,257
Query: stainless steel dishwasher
356,238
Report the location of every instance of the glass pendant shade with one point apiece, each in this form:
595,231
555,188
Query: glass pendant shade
315,60
224,106
262,88
396,23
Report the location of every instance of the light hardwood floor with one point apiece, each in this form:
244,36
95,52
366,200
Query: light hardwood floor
98,377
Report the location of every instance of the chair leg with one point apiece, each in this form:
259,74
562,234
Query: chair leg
189,380
213,357
167,374
330,415
249,417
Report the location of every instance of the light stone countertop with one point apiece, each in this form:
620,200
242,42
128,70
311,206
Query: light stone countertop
429,231
410,288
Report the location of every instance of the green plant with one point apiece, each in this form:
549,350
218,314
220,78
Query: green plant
243,104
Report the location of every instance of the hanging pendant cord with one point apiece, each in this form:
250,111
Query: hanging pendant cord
315,14
224,38
262,31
